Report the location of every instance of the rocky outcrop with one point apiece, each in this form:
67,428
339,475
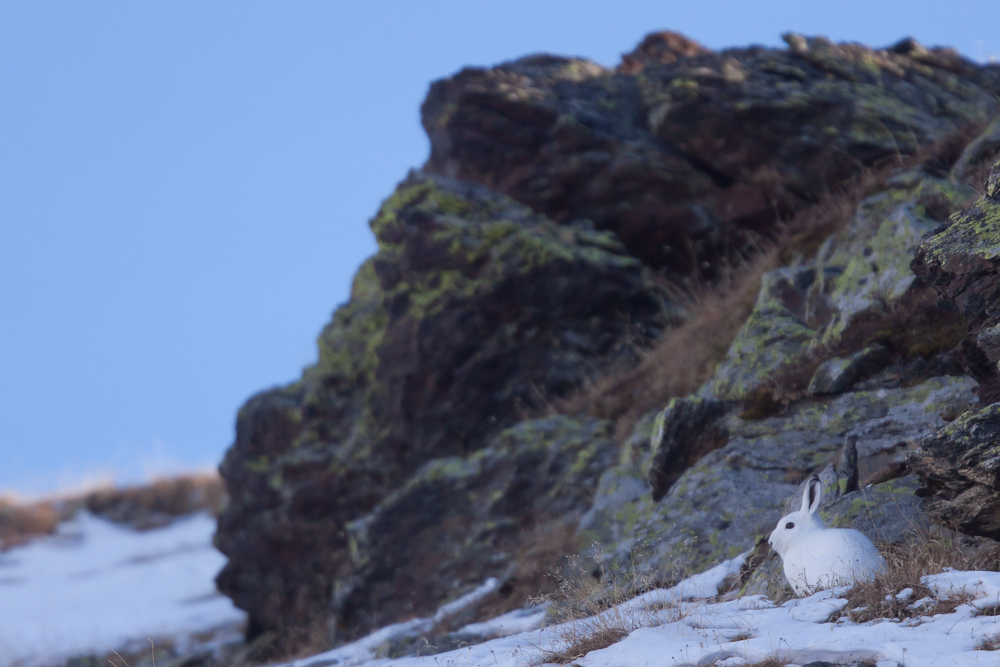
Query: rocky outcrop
685,431
687,155
562,205
961,259
474,312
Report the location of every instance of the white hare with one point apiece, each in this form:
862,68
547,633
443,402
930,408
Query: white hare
815,556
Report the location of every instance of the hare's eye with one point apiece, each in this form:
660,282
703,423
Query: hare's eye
789,525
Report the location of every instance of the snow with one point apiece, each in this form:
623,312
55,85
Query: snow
680,626
96,586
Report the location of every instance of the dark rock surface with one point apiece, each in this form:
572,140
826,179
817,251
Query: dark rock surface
689,155
474,312
960,469
459,520
685,431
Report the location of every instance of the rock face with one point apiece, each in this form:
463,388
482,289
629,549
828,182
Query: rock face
474,311
687,155
563,207
959,464
720,505
961,259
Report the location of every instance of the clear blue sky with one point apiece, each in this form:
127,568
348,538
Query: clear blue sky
185,187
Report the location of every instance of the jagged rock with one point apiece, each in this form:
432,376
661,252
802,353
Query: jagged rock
837,375
391,476
960,469
724,502
474,312
458,521
683,433
697,153
961,259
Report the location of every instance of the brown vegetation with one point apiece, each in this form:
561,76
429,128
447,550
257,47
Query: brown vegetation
141,507
683,359
588,610
906,564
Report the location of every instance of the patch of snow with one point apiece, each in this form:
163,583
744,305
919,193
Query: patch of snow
511,623
96,586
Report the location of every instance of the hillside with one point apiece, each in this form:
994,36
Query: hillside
619,316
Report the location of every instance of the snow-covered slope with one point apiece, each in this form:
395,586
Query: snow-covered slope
678,628
95,586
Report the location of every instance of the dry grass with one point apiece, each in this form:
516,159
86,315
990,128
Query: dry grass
588,606
906,564
541,554
683,359
159,501
770,661
991,643
141,507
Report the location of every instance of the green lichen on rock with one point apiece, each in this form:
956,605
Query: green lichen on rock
773,336
874,252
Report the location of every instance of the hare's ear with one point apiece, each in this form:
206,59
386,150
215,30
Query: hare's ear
811,495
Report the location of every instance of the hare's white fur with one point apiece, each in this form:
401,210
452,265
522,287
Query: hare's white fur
815,556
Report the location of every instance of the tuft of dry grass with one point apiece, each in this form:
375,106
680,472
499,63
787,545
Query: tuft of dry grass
541,554
906,564
588,606
590,611
769,661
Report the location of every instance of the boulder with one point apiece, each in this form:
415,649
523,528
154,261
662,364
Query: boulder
689,155
474,312
684,432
